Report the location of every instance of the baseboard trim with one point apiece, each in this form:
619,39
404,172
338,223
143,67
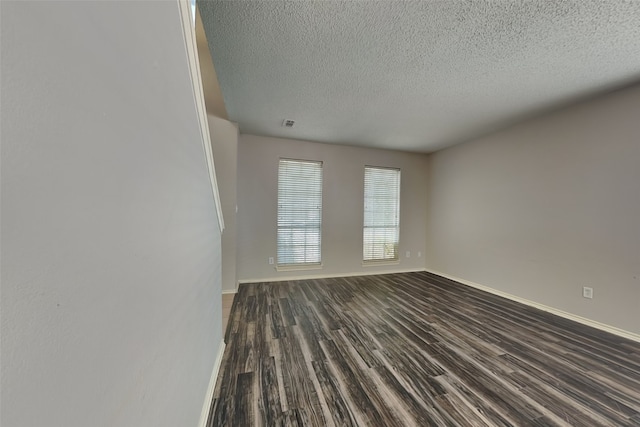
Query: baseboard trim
583,320
327,276
206,408
229,291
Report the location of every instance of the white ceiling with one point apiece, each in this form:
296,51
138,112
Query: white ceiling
413,75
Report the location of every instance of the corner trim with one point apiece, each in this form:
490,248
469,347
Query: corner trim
327,276
189,33
208,400
583,320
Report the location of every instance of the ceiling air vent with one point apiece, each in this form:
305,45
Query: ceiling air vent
288,123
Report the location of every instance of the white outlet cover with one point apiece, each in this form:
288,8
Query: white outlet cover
587,292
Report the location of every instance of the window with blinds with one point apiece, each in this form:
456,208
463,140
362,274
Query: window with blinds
299,212
381,214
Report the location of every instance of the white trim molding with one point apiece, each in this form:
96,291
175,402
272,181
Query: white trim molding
583,320
206,408
189,33
566,315
327,276
230,291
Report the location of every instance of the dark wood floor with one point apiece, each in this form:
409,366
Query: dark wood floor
415,349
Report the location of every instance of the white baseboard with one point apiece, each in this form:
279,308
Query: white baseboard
206,408
229,291
583,320
594,324
326,276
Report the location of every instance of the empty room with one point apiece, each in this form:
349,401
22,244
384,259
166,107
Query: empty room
437,212
320,213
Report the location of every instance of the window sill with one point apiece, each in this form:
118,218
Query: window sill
381,262
299,267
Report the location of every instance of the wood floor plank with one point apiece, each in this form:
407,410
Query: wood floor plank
415,349
353,384
302,393
244,414
269,401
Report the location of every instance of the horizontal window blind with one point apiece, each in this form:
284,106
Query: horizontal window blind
299,212
381,214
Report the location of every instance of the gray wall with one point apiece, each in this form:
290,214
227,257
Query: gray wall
546,207
343,199
110,244
224,142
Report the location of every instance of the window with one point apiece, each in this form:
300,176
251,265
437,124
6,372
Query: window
299,212
381,214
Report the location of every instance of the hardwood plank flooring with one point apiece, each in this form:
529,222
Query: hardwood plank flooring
415,349
227,304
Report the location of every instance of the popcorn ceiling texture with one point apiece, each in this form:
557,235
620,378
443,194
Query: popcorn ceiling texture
416,75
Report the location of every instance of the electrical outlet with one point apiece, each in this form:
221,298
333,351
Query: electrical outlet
270,260
419,254
587,292
408,254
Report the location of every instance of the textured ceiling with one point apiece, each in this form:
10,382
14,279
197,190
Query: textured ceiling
413,75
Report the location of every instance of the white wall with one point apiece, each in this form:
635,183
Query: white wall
342,209
110,244
224,142
546,207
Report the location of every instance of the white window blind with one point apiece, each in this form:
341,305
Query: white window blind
299,212
381,214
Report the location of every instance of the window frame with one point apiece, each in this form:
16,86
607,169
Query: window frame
282,263
368,258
